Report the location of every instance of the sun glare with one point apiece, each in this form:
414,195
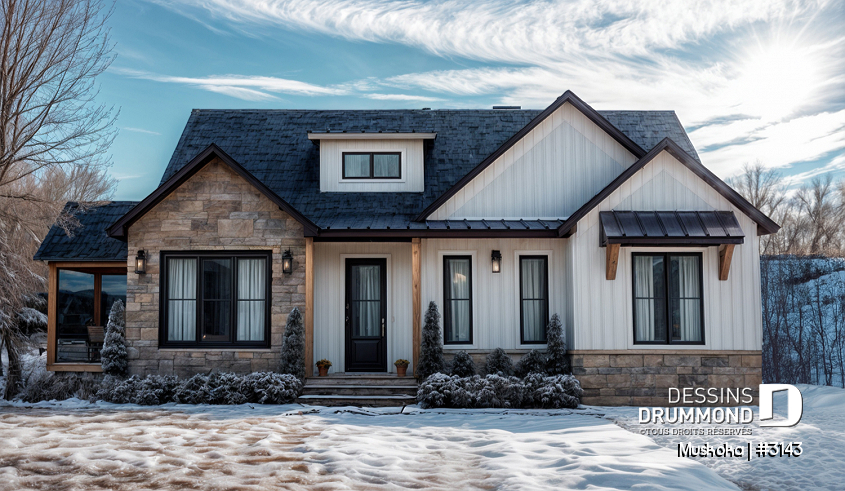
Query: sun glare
776,80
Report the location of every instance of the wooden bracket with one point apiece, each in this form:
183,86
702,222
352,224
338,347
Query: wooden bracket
726,252
612,260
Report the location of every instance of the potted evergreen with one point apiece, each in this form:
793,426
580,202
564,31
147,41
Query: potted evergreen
323,366
401,366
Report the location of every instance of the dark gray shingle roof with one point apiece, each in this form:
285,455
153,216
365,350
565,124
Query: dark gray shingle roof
89,241
273,145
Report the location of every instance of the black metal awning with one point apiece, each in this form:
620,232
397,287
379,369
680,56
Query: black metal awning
659,228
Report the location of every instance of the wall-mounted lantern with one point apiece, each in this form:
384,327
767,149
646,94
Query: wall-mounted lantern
140,262
497,261
287,262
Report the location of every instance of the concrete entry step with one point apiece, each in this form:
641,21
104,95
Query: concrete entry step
359,389
396,400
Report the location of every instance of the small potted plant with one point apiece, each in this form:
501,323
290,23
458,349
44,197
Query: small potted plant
401,366
323,366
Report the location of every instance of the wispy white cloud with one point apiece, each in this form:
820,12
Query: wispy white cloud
758,79
401,97
250,88
141,130
501,30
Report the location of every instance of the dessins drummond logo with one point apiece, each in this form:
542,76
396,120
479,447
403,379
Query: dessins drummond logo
726,415
794,407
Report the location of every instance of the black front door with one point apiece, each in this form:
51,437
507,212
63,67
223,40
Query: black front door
366,315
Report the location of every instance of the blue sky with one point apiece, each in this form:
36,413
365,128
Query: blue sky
751,80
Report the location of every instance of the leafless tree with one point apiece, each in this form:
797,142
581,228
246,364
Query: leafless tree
53,137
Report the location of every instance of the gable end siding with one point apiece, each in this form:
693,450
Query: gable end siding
554,169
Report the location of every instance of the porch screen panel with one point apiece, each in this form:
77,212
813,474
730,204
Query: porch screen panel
252,304
458,302
685,297
535,298
649,299
112,289
181,299
367,300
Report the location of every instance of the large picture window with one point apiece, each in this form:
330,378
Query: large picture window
216,299
372,165
668,303
457,299
533,298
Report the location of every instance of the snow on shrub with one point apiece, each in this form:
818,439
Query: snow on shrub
462,365
494,391
114,357
558,362
499,363
48,386
30,320
215,388
293,346
534,361
431,349
554,392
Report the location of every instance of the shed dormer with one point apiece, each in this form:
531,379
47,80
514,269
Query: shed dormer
371,162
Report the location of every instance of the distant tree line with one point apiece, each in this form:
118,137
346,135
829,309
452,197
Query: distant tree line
802,274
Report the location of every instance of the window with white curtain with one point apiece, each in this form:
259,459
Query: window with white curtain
668,302
457,299
534,298
214,298
372,165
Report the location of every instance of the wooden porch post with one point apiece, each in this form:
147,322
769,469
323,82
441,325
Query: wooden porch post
309,306
52,312
416,297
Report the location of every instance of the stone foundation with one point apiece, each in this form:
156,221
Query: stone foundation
643,378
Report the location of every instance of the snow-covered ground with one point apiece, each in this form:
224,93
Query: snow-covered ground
74,445
821,432
77,445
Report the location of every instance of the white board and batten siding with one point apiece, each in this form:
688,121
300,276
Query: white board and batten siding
331,166
330,299
602,310
557,167
495,306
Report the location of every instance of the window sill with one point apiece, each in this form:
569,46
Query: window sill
75,367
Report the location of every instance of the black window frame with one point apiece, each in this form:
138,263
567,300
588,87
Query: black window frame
447,301
372,167
233,330
668,297
522,299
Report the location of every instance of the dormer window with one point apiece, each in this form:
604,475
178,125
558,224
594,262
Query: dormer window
372,165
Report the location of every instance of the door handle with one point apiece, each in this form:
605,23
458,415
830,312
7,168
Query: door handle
382,327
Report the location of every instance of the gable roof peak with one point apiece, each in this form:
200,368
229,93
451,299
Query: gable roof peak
567,96
765,225
119,229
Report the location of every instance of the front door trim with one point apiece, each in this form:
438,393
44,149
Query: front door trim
380,363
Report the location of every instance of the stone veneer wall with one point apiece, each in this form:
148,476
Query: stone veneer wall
640,378
215,209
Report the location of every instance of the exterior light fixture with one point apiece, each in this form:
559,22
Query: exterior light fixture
140,262
287,262
497,261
